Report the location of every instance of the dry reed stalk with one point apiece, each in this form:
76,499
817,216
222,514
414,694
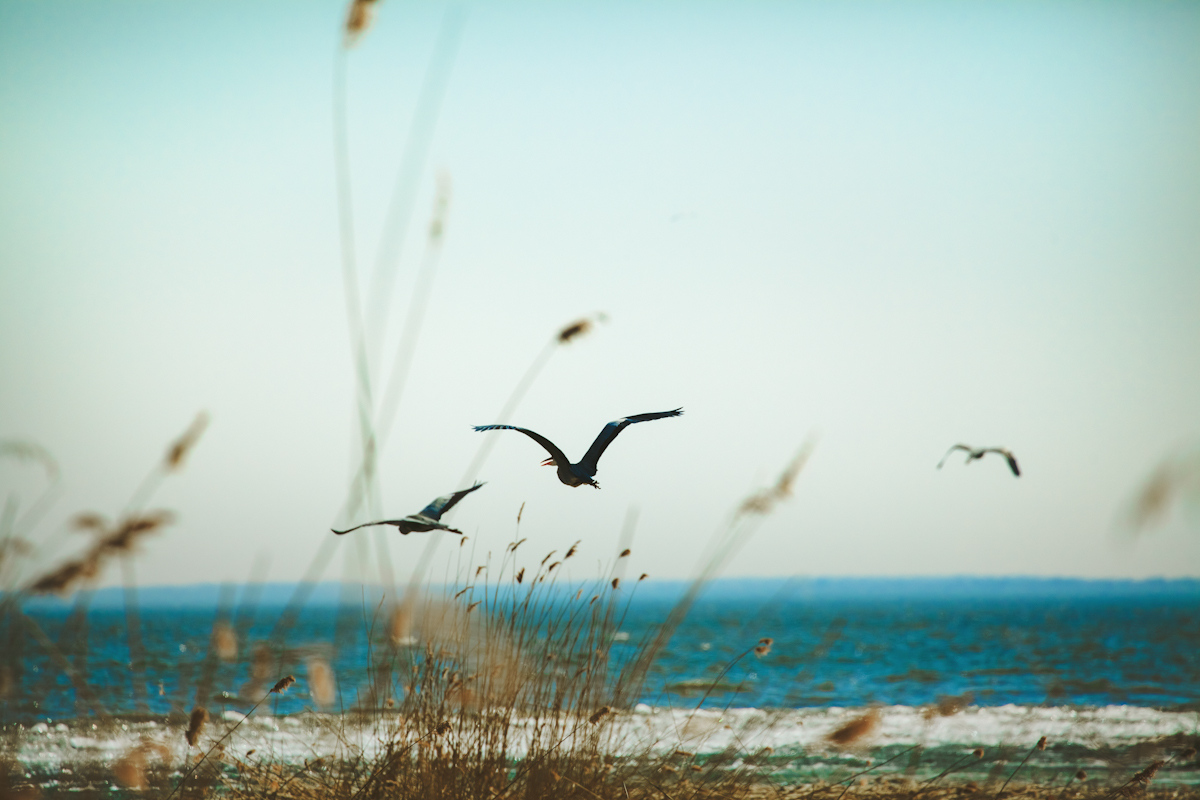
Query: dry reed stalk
30,451
282,685
1137,784
1041,745
1079,775
977,753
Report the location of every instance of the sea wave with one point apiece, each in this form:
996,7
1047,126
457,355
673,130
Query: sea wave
794,744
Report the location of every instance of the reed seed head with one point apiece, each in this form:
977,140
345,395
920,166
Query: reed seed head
643,577
520,511
89,521
571,552
575,330
764,501
224,641
321,685
855,729
179,449
600,714
616,582
359,17
1081,775
1041,745
977,752
283,684
196,725
624,553
473,606
521,575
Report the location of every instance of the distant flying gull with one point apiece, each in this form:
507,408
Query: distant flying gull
427,519
582,472
974,454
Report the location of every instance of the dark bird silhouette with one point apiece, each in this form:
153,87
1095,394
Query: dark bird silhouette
580,473
427,519
974,454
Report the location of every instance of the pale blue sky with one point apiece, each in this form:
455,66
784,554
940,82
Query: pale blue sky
897,225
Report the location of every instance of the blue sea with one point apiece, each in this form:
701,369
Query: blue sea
845,643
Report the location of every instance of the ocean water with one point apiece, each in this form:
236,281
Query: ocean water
1105,671
911,645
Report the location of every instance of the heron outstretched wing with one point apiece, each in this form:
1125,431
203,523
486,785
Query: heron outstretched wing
559,458
965,447
396,522
1008,456
610,431
443,504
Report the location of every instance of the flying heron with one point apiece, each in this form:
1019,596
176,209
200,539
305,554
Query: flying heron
974,454
580,473
427,519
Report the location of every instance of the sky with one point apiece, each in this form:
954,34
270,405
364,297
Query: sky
887,227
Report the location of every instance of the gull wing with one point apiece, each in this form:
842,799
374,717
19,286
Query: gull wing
965,447
551,448
610,431
440,506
